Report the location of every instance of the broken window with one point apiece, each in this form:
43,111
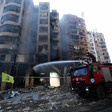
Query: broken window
43,21
43,29
43,38
42,46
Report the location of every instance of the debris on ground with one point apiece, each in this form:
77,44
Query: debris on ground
35,97
42,99
9,94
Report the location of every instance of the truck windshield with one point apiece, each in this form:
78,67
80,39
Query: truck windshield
79,72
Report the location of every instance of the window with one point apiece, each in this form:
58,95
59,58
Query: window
79,24
43,46
9,17
44,7
43,21
43,38
2,57
81,33
80,72
76,37
12,8
43,14
43,29
103,46
16,1
106,57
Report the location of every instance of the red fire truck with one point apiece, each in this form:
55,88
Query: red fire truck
92,79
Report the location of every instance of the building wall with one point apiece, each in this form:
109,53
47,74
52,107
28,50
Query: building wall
98,47
74,41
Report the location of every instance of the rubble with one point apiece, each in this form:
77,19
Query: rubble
35,97
10,94
42,99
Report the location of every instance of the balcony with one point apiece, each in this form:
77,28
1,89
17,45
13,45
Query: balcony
12,8
9,17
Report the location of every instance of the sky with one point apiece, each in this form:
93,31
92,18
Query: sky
97,15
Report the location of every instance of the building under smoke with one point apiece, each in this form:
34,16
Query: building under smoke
74,41
98,46
29,35
55,48
17,36
48,34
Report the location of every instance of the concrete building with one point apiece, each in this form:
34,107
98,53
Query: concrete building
43,33
18,32
98,47
74,40
47,48
29,34
55,47
10,28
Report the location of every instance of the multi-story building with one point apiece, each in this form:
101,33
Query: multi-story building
10,28
28,34
47,48
43,33
98,47
17,37
74,40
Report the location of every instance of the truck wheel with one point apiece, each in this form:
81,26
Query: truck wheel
100,92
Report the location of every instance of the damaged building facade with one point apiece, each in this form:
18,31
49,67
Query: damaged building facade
48,34
98,46
29,35
74,40
16,33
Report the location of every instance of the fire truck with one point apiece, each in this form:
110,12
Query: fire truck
92,79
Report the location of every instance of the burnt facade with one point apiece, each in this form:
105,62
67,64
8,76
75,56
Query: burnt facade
43,33
55,47
74,40
98,46
48,34
17,37
29,35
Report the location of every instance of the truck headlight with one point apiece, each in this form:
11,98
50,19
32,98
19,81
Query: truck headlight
87,88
